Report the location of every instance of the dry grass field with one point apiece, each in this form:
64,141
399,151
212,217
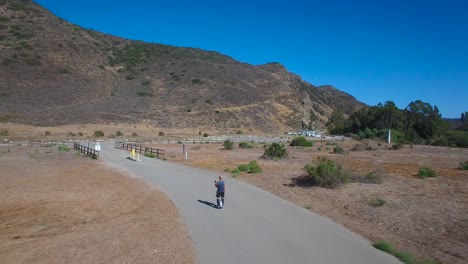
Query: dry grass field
60,207
426,217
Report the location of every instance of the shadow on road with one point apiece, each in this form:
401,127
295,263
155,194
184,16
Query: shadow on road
208,203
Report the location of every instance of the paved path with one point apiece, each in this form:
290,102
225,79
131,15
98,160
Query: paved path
254,226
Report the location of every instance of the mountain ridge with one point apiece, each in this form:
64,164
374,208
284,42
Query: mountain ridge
54,72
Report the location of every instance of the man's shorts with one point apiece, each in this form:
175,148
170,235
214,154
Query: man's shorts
219,194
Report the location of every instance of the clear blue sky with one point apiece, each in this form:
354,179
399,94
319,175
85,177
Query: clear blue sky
375,50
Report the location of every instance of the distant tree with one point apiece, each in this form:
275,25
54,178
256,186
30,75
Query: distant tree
336,123
464,120
386,116
424,120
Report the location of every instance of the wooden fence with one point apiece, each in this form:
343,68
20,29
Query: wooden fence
139,148
85,150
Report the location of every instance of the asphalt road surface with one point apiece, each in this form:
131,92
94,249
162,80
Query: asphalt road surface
254,226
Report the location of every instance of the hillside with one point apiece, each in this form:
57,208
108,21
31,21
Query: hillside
53,72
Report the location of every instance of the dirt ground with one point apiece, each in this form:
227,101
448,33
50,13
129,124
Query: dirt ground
60,207
426,217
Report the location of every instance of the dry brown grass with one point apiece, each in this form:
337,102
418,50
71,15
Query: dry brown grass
425,217
63,208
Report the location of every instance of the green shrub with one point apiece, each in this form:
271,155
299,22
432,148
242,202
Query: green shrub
118,133
244,167
80,134
439,141
338,150
64,71
429,261
47,133
405,257
426,172
4,132
462,166
134,134
196,81
17,7
146,82
150,155
275,150
71,134
397,146
326,173
369,133
245,145
254,167
377,202
63,148
161,134
385,247
25,45
32,62
205,135
144,94
373,177
101,66
98,133
235,171
239,132
228,144
457,138
7,62
301,141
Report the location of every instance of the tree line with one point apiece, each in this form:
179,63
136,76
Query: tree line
418,123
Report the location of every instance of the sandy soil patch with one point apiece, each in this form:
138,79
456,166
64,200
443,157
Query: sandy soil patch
427,217
59,207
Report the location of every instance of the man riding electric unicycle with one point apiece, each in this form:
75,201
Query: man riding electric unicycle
220,192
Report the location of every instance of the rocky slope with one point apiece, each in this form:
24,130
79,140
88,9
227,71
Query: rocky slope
53,72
